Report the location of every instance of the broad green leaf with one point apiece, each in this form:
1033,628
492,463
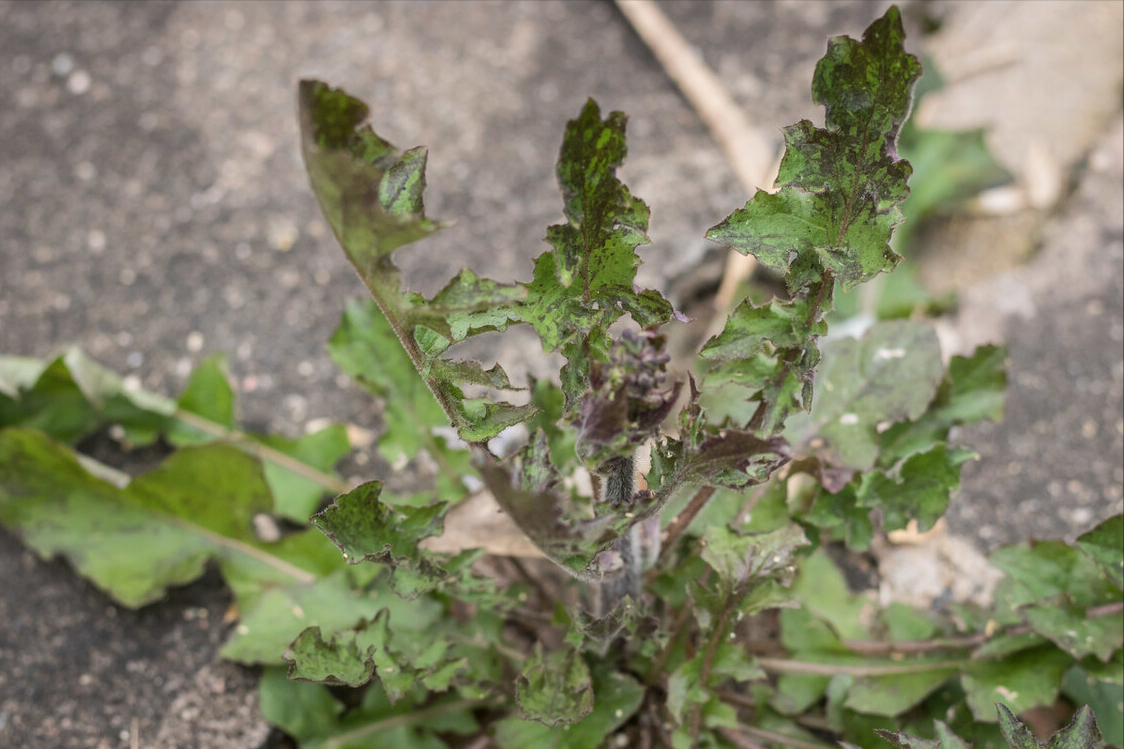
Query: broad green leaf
840,186
822,590
841,510
71,396
1075,632
296,496
741,559
365,347
1105,698
797,692
208,394
917,488
1048,569
889,375
310,714
158,531
617,697
1105,544
1030,678
973,389
335,602
894,694
555,687
304,711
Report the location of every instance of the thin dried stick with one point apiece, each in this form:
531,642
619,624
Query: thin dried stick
752,155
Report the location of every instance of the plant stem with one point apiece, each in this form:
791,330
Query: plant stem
735,737
827,281
716,637
618,487
785,666
679,524
263,452
866,647
404,719
657,667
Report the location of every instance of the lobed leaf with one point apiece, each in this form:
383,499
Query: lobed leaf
586,282
368,530
841,185
371,196
554,688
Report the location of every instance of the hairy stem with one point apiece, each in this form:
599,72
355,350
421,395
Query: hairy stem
618,486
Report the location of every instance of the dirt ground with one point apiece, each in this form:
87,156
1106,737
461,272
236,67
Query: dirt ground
153,210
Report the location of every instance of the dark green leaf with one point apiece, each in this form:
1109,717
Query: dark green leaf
586,282
304,711
1049,569
617,697
840,186
368,530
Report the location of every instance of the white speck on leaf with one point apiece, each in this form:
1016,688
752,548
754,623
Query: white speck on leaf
889,353
849,419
